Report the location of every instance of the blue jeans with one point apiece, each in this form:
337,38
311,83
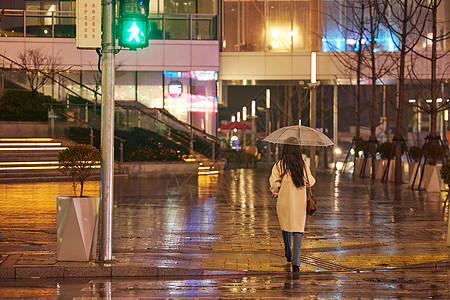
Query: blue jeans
297,246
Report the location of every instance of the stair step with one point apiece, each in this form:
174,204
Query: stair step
38,172
25,140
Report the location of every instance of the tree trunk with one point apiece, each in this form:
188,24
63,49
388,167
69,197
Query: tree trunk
433,114
401,88
358,79
373,100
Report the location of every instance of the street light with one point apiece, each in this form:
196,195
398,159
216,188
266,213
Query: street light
253,114
244,113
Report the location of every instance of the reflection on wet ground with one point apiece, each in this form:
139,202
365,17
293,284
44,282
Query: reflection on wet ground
418,284
228,222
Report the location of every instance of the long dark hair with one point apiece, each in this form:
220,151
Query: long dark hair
292,163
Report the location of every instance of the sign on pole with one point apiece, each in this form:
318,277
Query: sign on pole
89,24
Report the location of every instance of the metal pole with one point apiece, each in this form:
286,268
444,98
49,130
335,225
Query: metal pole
107,131
253,134
335,122
52,122
313,125
269,149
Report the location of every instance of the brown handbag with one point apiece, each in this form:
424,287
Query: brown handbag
311,203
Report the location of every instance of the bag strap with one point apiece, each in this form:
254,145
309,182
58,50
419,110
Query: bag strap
307,181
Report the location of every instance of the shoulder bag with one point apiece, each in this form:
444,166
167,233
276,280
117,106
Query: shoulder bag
311,203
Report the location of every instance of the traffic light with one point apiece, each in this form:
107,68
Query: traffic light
134,26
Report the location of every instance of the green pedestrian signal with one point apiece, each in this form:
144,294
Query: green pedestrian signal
134,26
134,34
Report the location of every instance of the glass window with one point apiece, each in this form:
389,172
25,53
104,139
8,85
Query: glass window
177,6
150,89
65,26
156,27
125,88
11,24
177,94
204,27
230,26
204,100
280,34
190,6
301,29
334,36
252,26
177,27
156,6
93,80
206,7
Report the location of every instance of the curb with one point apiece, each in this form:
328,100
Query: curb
35,272
108,271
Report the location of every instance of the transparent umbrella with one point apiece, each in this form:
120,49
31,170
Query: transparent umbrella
298,135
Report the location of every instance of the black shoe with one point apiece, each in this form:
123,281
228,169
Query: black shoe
295,269
289,259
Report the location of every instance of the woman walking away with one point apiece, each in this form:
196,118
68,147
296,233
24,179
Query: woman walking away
288,181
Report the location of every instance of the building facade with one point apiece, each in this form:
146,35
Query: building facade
201,48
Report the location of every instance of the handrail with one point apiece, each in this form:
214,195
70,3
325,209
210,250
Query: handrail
54,80
121,105
212,137
131,104
78,120
122,141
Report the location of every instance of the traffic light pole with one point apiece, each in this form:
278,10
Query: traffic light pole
107,130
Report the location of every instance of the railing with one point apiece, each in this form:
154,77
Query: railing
162,123
62,24
130,115
63,119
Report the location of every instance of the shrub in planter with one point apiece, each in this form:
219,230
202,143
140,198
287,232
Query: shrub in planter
362,145
415,153
386,150
433,153
77,161
24,106
445,172
156,152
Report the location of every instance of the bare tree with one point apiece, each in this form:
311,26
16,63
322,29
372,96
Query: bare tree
39,67
431,91
366,59
405,20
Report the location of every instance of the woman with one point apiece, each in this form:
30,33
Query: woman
288,181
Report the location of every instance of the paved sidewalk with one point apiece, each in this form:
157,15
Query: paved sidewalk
227,224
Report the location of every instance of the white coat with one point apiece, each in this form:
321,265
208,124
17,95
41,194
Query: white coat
291,201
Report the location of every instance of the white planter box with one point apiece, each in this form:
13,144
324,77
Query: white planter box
77,220
391,175
368,167
358,165
432,179
380,166
412,168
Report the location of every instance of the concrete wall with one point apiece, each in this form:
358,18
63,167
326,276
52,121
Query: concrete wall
158,169
23,129
176,55
296,66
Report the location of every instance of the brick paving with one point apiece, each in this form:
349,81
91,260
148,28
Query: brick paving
227,224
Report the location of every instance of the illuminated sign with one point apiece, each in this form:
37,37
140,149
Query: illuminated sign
175,89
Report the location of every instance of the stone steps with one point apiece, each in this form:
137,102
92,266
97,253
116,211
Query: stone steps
32,159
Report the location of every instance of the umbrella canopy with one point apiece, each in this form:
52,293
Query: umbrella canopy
235,125
298,135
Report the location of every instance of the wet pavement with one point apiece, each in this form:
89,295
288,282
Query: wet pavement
366,237
339,285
